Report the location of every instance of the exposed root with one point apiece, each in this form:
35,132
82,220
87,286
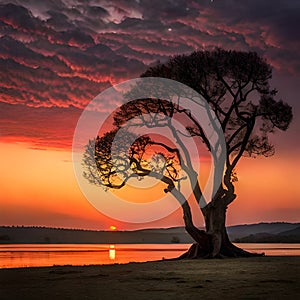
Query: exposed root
198,251
231,250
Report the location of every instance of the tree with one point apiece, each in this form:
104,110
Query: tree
236,87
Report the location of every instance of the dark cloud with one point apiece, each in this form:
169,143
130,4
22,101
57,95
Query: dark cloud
18,16
96,11
168,10
59,21
16,50
39,87
130,53
75,38
57,54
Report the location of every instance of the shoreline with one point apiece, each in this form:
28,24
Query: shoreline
269,277
144,262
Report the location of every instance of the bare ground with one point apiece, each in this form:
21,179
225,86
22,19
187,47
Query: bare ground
244,278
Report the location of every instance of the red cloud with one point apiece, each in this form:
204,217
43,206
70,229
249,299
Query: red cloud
41,127
54,56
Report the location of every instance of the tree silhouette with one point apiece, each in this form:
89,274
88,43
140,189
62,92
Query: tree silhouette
236,87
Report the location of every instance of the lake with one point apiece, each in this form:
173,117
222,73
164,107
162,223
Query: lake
39,255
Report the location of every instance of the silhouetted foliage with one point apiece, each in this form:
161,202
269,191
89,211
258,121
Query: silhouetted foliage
236,86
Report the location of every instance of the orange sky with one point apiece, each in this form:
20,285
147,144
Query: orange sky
39,188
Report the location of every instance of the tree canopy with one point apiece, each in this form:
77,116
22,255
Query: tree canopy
236,86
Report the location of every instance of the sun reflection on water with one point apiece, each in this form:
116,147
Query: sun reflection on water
112,252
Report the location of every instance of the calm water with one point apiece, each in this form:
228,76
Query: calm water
34,255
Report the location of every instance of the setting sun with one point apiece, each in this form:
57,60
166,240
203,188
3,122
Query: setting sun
112,228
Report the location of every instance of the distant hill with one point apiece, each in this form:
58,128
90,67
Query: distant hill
239,231
293,232
289,236
253,233
43,235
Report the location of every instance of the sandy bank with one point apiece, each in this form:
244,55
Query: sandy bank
254,278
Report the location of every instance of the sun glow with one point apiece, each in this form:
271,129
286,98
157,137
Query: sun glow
112,228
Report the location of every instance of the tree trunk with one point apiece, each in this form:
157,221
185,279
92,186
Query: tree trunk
214,242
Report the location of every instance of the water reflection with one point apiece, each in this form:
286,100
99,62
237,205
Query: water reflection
14,256
112,252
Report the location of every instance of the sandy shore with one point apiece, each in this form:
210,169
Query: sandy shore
250,278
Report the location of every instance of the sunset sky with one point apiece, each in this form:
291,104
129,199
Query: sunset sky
56,56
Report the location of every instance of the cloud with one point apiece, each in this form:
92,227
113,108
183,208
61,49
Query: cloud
41,127
18,17
42,87
61,54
